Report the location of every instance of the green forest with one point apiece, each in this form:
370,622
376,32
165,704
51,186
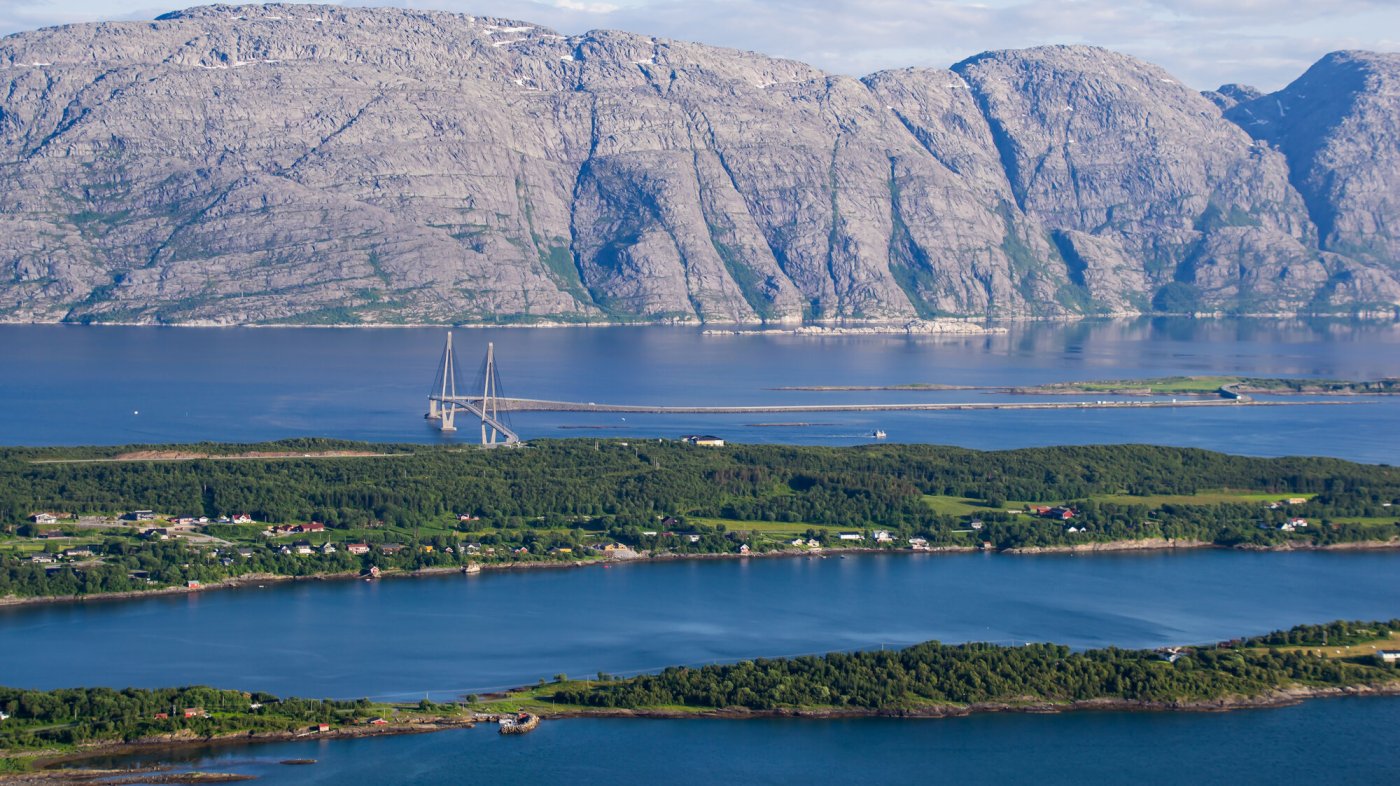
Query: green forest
58,720
446,506
934,674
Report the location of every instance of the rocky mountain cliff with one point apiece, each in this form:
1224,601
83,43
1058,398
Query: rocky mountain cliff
319,164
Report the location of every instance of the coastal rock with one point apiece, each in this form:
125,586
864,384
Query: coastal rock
1339,126
330,165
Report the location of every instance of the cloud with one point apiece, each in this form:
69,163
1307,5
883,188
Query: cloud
1203,42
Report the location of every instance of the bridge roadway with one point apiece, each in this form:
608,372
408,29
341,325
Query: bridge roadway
541,405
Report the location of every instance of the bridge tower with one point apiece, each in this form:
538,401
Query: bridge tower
444,402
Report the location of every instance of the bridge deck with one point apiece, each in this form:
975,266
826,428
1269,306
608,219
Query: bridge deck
542,405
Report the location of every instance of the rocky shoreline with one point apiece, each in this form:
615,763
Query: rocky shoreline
53,769
1281,697
1145,544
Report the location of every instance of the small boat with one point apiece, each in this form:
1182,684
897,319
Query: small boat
878,433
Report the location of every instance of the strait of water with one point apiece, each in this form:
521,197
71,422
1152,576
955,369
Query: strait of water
84,385
1320,742
450,635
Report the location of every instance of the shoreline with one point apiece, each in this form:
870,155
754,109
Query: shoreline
1106,547
49,769
776,327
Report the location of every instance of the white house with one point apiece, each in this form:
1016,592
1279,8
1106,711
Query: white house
883,536
1388,656
851,536
44,518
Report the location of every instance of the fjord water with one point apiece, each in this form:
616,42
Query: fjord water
1320,742
85,385
450,635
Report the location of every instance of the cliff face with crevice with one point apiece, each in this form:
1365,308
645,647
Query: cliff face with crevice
319,164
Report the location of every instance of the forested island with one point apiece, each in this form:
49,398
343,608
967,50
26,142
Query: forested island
925,680
89,521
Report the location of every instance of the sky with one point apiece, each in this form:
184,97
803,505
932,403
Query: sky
1205,43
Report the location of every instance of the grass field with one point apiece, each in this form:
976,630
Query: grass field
1364,649
1212,497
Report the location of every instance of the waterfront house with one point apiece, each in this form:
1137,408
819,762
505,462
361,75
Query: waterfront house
390,548
743,548
1293,525
191,584
882,536
850,536
323,727
704,440
44,518
918,544
357,548
378,722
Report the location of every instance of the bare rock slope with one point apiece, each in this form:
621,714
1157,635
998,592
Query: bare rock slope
319,164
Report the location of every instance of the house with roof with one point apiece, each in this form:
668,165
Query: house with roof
44,518
303,547
357,548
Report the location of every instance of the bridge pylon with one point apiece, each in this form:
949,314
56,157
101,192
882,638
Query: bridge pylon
444,403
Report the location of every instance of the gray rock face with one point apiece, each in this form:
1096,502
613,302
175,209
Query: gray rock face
320,164
1339,126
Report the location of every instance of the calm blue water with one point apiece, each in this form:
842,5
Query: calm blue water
77,385
1321,742
458,634
451,635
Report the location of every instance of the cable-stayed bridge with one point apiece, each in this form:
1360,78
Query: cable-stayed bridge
447,401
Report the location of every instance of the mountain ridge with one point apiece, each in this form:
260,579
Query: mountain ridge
328,165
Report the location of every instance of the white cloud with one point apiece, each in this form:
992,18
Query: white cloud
1204,42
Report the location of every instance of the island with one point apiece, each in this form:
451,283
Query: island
1226,386
930,680
81,523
